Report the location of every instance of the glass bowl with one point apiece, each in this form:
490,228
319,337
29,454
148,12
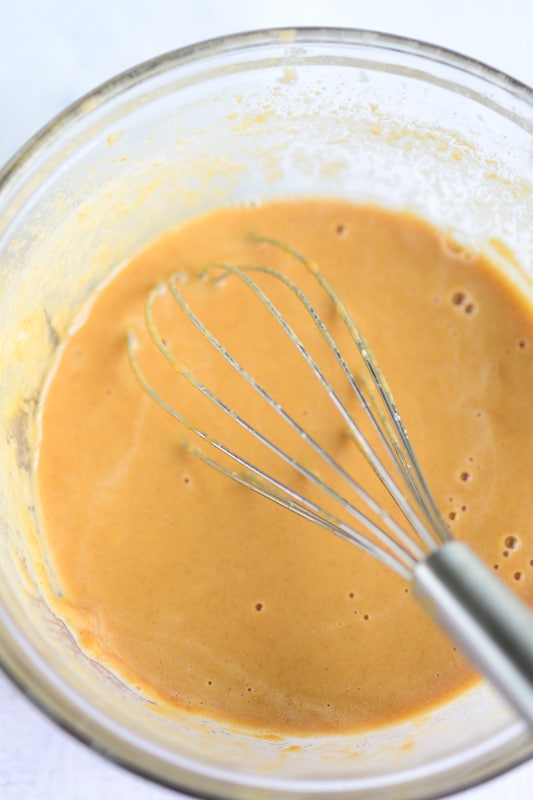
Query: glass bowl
346,113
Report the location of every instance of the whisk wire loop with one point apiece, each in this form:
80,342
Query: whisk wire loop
273,489
409,550
406,459
241,273
366,400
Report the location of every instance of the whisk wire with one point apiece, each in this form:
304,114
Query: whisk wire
411,469
410,548
293,501
240,273
374,414
405,459
274,490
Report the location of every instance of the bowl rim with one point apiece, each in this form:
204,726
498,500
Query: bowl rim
13,663
95,98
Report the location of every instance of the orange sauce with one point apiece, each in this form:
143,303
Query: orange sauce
212,599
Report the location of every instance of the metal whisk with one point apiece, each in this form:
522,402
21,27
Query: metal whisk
491,625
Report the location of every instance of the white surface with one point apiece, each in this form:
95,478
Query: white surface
51,52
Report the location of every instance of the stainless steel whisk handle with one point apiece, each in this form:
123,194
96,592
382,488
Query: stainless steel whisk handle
490,624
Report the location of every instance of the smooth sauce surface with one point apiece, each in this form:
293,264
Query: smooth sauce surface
208,597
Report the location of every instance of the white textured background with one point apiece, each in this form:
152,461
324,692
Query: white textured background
51,52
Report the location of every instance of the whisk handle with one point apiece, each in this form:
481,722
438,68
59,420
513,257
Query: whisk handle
490,623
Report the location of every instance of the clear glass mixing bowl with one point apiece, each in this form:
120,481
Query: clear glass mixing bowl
369,117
